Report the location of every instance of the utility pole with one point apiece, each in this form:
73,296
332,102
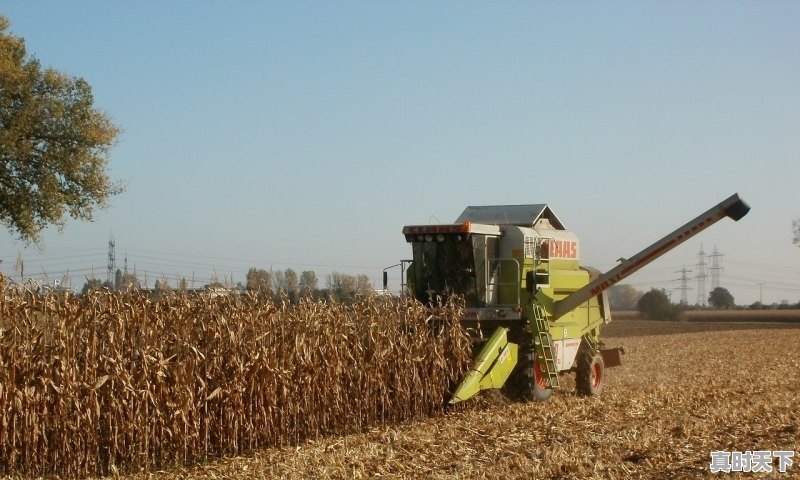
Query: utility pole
112,260
716,267
684,288
761,292
701,277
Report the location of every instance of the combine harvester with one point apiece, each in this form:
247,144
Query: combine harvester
519,272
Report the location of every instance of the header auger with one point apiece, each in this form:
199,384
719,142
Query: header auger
526,293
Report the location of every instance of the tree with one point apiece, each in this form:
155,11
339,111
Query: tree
308,282
125,281
342,286
91,284
162,286
623,297
161,289
290,277
721,298
655,305
278,281
364,284
130,280
54,144
259,280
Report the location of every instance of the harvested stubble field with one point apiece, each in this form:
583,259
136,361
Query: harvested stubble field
681,393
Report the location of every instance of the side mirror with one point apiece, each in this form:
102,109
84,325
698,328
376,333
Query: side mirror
530,281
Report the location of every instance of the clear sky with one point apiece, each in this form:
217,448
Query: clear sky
306,134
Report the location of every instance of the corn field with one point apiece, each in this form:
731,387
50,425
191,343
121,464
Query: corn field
680,394
113,382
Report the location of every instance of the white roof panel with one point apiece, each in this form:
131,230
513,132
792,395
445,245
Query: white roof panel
521,215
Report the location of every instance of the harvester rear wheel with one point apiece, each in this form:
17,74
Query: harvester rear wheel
591,375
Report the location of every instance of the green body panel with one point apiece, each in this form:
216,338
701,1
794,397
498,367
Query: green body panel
564,282
584,320
555,279
565,277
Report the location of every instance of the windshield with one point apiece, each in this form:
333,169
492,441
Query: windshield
442,268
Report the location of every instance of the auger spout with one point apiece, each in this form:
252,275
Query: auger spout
733,207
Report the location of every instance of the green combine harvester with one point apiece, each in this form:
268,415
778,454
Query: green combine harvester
536,311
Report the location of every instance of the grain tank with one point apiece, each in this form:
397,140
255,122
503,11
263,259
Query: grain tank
536,311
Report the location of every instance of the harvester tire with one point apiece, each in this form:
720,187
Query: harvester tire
591,375
523,382
539,390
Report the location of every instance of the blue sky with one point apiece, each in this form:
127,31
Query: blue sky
306,134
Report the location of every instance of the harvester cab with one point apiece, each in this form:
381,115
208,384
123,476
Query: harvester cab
535,310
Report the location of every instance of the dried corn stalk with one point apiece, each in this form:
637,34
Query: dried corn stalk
116,382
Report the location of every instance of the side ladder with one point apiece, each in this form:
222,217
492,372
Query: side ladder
543,344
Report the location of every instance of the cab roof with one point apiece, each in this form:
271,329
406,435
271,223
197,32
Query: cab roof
520,215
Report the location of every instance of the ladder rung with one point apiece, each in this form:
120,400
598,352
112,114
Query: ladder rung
543,345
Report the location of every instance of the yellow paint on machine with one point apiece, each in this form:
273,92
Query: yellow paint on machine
491,369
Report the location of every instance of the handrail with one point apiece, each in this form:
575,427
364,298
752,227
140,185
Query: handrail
500,284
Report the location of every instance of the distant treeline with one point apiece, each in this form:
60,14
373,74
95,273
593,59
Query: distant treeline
626,297
738,315
274,284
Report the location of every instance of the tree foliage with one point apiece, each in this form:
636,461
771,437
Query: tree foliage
341,285
91,284
125,281
290,278
278,281
346,287
54,144
292,284
623,297
259,280
721,298
655,305
308,282
364,284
